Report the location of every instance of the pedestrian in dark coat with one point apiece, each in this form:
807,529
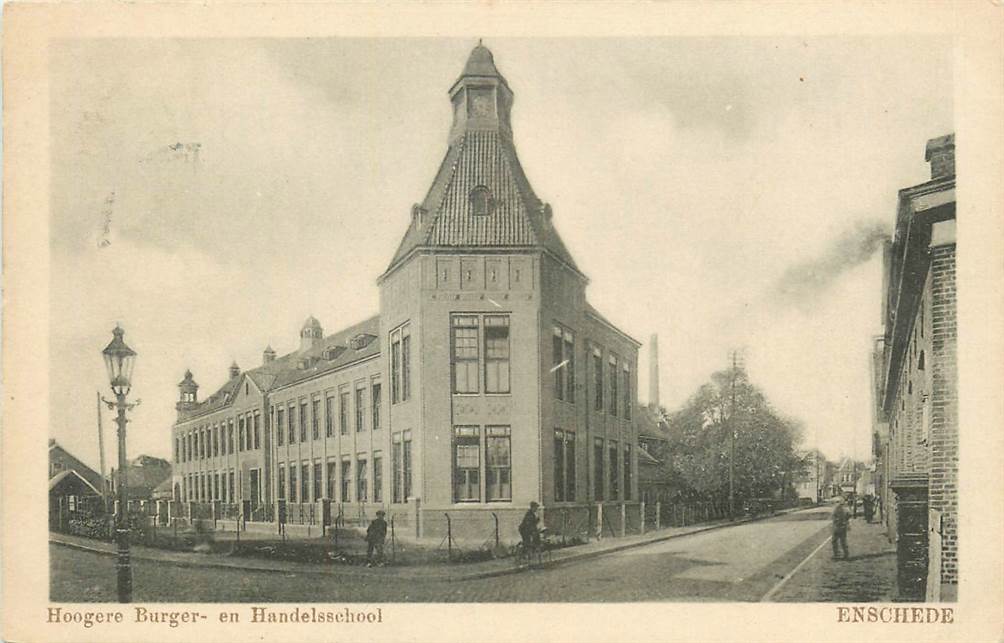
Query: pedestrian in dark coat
841,524
375,536
869,506
529,530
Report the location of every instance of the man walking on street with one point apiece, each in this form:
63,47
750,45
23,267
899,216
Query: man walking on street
841,523
375,536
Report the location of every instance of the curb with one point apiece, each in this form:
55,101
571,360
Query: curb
430,577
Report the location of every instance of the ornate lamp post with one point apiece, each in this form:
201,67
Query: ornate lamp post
119,360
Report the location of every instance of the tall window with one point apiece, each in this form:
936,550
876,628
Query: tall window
397,469
305,482
282,482
626,389
564,465
280,427
331,479
303,421
627,471
230,436
406,460
360,410
400,364
257,431
329,421
615,481
292,482
177,449
343,413
377,476
362,494
613,385
569,466
395,368
465,353
375,403
240,434
315,419
598,479
563,363
231,489
498,463
317,480
346,480
215,441
406,363
291,422
559,465
496,353
466,464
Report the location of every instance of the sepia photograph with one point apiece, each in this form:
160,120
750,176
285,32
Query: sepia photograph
335,323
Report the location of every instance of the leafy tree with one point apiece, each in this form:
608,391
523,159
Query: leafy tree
699,448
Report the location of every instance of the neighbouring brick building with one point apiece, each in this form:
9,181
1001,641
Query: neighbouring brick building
916,434
486,380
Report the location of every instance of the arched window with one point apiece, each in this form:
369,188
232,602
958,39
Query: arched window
481,201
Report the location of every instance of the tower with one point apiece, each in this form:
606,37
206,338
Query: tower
188,393
311,334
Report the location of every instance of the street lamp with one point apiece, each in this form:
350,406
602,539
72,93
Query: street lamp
119,360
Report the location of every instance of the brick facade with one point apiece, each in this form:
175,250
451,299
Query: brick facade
915,381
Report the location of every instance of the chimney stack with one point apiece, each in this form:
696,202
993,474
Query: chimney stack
940,153
235,370
653,372
268,355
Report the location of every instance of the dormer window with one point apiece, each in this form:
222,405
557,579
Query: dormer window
481,201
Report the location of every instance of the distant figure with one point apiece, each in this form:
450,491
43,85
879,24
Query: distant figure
841,523
869,506
529,530
375,536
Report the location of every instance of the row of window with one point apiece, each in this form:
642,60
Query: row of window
289,424
216,440
308,482
618,375
606,469
212,485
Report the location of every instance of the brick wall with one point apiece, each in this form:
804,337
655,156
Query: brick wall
944,437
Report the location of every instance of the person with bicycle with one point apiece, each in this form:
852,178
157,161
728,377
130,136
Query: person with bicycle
529,529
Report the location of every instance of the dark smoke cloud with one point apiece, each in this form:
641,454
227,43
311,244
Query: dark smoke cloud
802,283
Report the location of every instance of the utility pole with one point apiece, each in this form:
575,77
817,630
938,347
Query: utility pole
732,444
101,455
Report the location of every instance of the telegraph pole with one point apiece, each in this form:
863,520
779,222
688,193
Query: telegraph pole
732,444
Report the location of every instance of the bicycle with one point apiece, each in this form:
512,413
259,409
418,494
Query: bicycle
534,555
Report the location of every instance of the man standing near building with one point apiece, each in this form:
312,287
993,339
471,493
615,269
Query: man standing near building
841,523
375,536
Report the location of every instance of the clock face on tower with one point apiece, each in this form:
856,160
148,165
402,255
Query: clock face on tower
481,103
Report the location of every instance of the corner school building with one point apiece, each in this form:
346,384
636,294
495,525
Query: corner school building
486,381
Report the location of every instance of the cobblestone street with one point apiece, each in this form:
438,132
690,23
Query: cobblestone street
735,563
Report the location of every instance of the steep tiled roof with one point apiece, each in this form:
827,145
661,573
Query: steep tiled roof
297,366
483,155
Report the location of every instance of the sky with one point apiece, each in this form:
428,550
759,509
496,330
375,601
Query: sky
723,193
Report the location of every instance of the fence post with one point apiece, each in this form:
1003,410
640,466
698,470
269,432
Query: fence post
641,514
658,514
495,516
564,525
449,538
623,519
393,541
599,521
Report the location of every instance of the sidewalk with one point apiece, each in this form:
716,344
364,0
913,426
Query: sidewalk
440,572
868,575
